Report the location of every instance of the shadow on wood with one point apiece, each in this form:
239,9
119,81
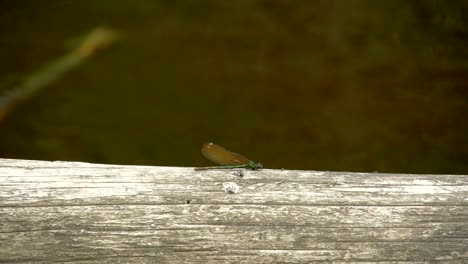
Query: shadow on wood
91,213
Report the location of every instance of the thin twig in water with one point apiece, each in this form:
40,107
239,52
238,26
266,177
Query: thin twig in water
98,39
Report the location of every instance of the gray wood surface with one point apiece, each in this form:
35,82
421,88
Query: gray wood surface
91,213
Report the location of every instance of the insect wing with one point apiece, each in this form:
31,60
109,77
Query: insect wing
222,156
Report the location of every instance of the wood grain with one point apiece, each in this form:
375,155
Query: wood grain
92,213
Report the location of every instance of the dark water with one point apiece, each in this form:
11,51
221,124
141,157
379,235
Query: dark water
325,85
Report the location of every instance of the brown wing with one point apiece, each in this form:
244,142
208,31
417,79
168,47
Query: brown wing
222,156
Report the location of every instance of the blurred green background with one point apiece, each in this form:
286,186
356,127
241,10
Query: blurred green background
358,85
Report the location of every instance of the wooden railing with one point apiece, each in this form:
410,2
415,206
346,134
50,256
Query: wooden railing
92,213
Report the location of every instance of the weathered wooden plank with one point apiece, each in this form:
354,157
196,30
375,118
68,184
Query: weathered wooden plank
84,183
90,213
167,216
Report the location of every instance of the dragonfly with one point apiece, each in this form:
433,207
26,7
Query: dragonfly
226,159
